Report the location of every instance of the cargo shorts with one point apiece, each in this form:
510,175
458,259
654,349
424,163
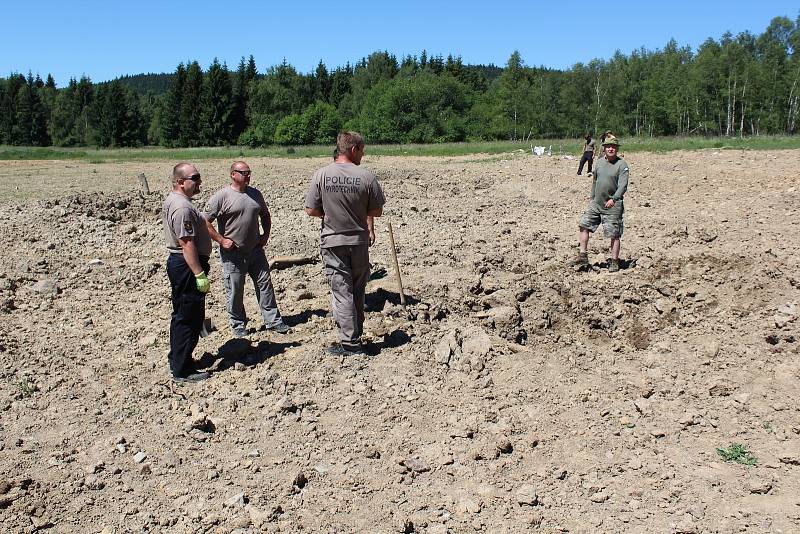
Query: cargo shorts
611,219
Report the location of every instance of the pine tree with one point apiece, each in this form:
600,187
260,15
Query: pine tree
191,133
217,103
341,85
21,133
513,85
133,133
31,116
109,115
39,134
8,115
251,72
85,103
322,89
170,116
64,116
3,126
436,64
454,66
238,118
409,66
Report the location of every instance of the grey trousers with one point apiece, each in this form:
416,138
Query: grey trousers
236,266
347,271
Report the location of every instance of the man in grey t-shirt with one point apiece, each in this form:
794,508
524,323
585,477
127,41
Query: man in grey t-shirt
189,247
344,195
238,209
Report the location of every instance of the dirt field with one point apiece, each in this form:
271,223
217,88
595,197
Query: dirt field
511,395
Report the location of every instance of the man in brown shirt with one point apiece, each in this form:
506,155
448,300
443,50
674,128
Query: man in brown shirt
344,195
189,247
239,209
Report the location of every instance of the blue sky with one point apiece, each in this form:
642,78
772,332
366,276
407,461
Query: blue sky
108,39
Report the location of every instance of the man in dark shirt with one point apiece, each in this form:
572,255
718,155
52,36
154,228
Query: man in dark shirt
588,154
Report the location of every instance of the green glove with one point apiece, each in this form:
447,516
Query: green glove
203,285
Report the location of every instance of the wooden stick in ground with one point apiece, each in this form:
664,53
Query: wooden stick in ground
396,266
282,262
143,181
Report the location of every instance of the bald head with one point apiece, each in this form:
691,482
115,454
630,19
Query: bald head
239,166
240,175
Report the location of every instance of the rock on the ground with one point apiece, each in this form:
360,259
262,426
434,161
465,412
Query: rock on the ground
526,495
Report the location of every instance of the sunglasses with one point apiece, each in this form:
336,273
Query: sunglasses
243,173
194,177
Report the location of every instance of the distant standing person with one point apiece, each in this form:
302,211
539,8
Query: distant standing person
344,195
238,210
189,247
588,154
606,204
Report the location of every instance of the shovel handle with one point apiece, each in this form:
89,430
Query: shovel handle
396,266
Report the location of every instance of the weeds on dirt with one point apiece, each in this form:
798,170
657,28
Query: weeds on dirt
737,453
26,388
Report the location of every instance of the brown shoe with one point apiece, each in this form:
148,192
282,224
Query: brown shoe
581,262
613,266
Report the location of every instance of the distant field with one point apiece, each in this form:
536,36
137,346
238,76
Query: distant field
567,146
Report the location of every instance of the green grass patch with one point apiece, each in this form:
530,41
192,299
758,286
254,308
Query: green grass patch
668,144
737,453
112,155
558,147
43,153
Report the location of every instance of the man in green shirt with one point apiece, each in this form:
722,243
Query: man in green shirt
606,207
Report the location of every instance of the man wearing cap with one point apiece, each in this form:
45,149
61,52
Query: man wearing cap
189,247
606,207
344,195
238,209
602,140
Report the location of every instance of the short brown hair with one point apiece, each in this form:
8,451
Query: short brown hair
347,140
179,171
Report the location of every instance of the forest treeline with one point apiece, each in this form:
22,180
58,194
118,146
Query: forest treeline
737,85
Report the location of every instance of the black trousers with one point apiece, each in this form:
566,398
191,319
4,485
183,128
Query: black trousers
188,313
587,157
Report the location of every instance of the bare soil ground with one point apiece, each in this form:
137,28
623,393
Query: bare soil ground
512,394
